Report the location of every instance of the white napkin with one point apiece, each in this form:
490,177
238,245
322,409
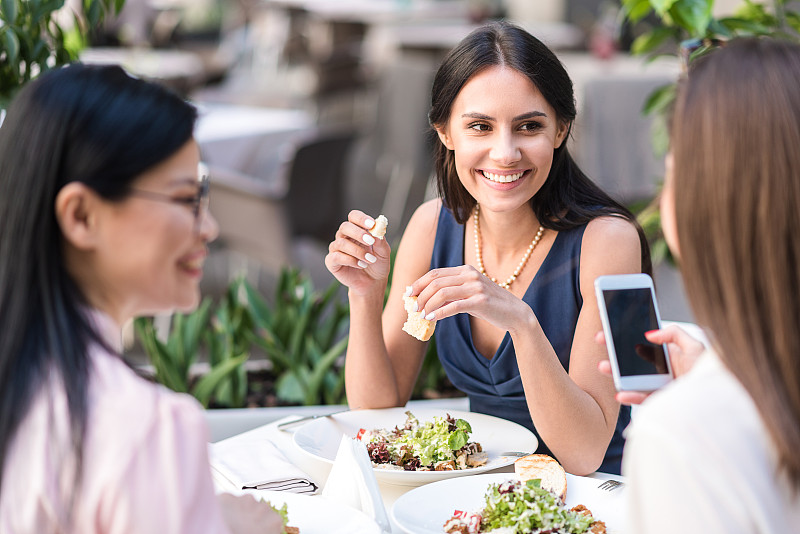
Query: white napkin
352,482
257,464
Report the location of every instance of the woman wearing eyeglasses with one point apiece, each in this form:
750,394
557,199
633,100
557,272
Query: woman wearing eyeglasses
102,219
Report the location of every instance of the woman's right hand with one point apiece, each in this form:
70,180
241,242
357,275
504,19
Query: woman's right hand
683,349
356,258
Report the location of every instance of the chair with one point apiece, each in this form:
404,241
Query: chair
314,203
267,226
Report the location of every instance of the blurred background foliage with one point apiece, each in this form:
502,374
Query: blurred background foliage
34,39
687,30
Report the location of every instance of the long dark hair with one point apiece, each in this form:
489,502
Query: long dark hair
568,197
736,144
94,125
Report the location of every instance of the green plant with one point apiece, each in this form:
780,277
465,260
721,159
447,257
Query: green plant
228,345
32,40
687,29
303,334
174,357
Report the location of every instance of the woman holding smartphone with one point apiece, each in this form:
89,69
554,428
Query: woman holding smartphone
103,217
716,451
504,260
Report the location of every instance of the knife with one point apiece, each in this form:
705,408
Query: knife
287,424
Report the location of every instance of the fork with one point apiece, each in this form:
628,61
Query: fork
610,485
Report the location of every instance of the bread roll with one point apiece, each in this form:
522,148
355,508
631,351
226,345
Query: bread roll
416,325
546,469
379,228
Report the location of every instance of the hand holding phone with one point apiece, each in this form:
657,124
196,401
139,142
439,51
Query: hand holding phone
628,309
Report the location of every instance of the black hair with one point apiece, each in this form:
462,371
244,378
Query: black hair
568,197
90,124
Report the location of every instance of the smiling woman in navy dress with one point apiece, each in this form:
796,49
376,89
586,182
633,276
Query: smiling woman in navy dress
505,260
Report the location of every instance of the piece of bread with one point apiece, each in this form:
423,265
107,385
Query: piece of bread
546,469
416,325
379,228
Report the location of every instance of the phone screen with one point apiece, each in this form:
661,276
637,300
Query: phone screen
631,313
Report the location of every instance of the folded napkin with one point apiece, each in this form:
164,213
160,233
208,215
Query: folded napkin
352,482
257,464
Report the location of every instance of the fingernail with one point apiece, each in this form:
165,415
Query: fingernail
368,239
430,316
369,223
408,291
370,258
650,332
362,264
422,313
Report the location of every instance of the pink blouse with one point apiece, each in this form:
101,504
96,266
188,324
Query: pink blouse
145,460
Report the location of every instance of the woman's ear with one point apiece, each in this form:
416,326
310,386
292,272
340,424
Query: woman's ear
75,208
444,138
562,132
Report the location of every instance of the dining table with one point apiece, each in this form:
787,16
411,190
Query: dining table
281,437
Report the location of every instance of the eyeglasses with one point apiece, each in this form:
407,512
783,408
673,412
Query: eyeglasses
199,202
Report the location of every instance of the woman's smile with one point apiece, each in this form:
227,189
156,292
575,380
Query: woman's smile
503,177
192,264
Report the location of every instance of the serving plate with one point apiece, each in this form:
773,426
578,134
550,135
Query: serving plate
321,437
424,510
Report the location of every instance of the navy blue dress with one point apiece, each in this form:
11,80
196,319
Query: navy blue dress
494,386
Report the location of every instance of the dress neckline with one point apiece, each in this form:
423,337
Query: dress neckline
506,338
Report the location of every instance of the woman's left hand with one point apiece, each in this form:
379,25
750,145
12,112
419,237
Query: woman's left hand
451,290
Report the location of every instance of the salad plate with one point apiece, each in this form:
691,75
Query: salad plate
316,514
424,510
320,439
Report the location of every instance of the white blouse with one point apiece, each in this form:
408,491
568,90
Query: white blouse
698,459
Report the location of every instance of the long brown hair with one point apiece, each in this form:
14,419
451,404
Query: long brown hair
736,143
568,197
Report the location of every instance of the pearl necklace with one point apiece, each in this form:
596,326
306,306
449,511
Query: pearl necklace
522,262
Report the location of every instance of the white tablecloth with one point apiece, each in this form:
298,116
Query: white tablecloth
318,470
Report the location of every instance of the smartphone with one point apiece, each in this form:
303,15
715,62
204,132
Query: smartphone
628,309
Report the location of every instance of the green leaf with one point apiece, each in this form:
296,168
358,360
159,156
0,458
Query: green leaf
457,439
659,99
291,386
744,26
258,307
636,10
9,11
206,386
324,364
464,425
118,5
94,13
662,6
692,15
11,45
166,370
793,20
649,41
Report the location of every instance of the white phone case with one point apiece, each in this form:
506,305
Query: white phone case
634,382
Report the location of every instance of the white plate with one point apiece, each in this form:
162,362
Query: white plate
425,509
317,515
321,437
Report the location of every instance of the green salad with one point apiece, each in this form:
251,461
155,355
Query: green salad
441,444
283,511
514,507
